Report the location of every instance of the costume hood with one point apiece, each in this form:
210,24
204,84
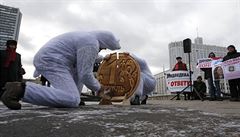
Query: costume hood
107,40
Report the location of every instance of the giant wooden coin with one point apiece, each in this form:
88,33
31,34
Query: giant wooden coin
121,73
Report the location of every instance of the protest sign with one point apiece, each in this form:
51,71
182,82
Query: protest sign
204,63
208,62
231,68
177,81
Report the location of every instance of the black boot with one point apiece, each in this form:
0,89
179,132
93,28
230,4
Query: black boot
14,92
145,100
178,97
82,103
136,101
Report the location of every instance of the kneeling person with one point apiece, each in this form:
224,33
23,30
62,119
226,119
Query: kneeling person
146,85
67,62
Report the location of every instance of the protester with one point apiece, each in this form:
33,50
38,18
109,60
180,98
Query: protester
67,62
10,65
215,93
234,84
201,88
181,66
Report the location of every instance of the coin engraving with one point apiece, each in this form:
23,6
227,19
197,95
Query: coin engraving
120,73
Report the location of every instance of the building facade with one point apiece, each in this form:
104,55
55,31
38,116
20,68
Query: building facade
198,50
10,20
161,86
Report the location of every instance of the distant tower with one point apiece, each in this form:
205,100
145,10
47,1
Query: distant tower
10,20
198,40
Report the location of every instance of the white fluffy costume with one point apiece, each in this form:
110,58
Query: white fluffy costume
67,62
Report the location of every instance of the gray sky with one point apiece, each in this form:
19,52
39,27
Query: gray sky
144,27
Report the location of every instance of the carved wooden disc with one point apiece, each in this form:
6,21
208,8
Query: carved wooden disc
121,73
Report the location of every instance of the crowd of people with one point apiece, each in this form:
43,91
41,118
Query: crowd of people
212,81
67,62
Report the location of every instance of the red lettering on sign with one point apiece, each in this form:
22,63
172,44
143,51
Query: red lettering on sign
179,83
205,65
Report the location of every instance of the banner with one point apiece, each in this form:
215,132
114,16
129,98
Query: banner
204,63
231,68
208,62
177,81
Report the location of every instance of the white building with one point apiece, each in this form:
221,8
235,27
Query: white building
10,20
198,50
161,86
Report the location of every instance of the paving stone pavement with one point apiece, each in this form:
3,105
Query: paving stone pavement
158,118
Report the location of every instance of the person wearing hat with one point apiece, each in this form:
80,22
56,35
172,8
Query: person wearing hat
234,84
201,88
180,65
10,65
67,63
214,91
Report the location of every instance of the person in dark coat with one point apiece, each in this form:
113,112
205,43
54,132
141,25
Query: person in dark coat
214,92
201,88
234,84
181,66
10,65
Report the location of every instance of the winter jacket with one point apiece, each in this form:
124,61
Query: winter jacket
180,66
231,55
12,72
208,71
